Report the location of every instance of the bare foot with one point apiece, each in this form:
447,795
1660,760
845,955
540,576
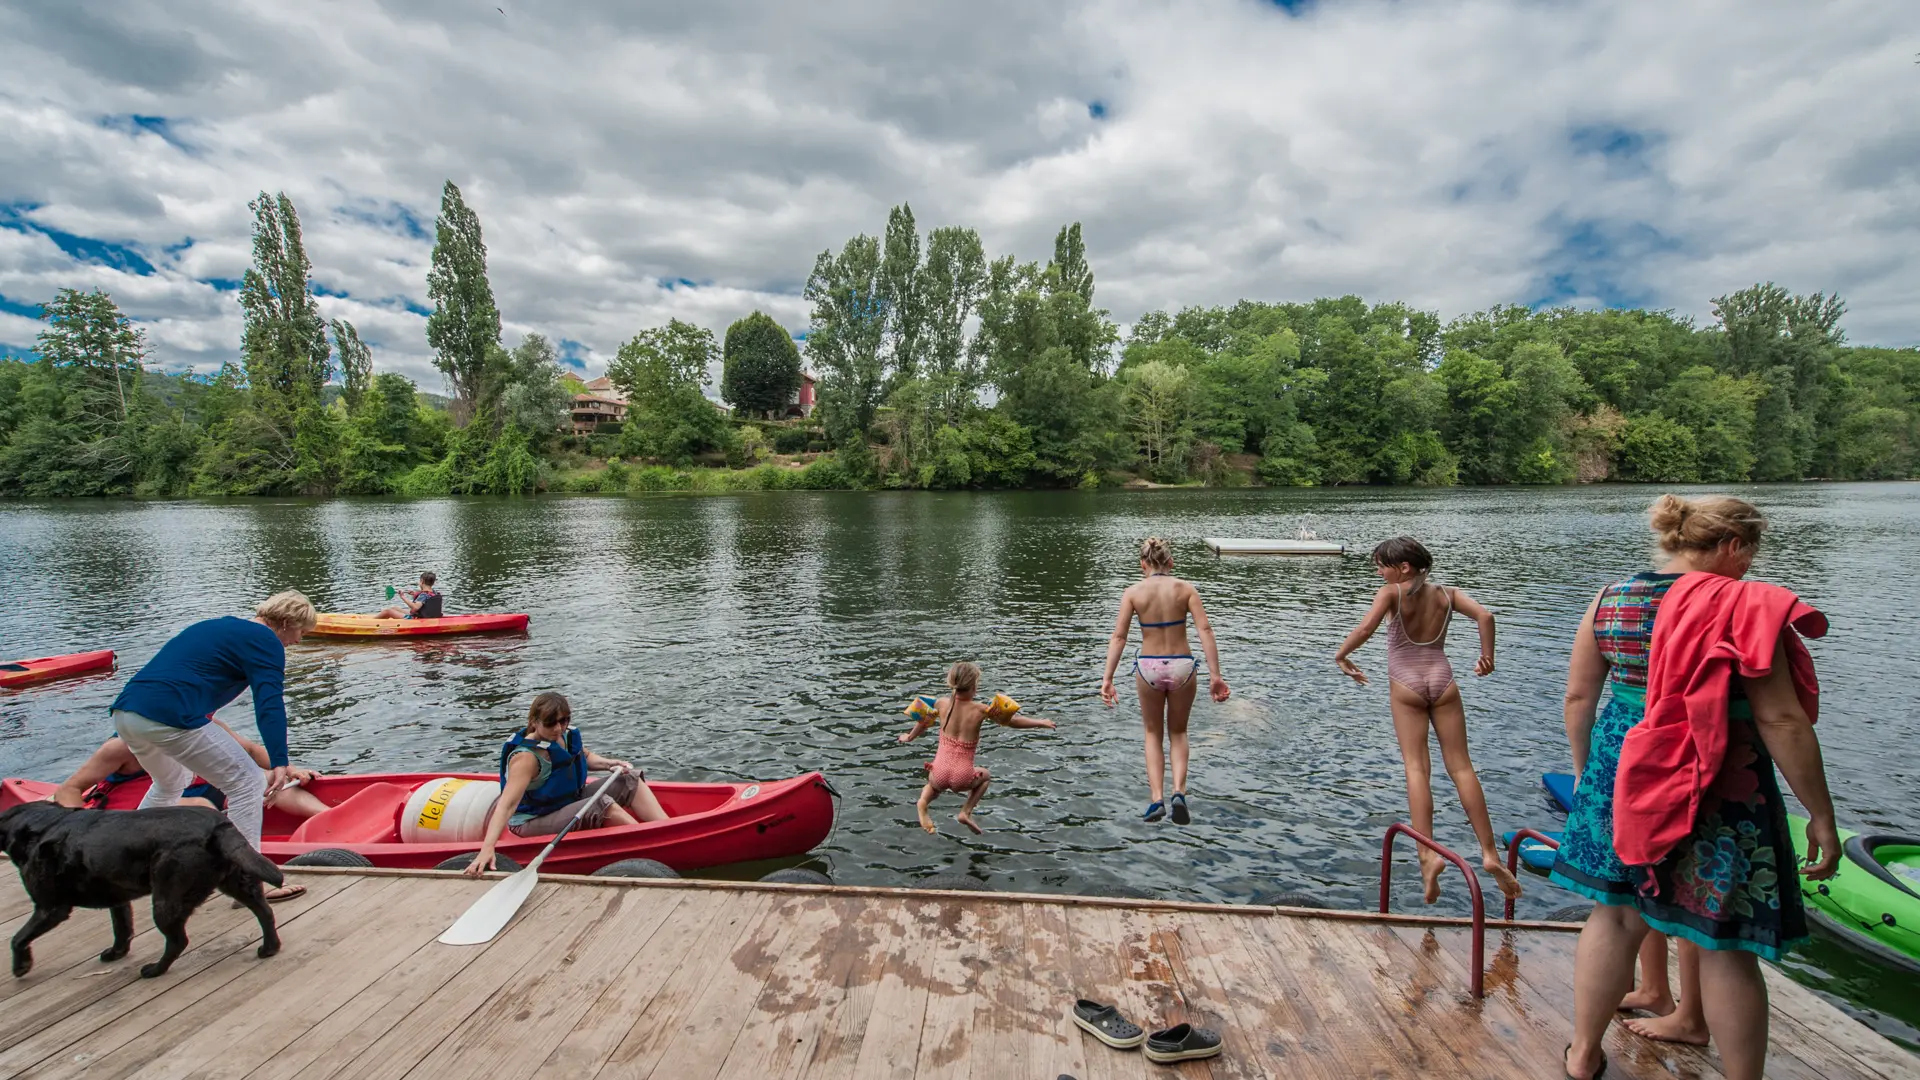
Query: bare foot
1674,1027
1431,868
926,821
1509,885
1644,1000
966,819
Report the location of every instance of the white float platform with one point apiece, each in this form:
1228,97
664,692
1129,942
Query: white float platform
1222,545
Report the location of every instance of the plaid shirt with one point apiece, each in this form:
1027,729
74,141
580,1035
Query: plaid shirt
1623,624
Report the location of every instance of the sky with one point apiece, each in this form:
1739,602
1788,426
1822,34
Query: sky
633,162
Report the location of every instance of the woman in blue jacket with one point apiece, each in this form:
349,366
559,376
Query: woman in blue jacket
543,782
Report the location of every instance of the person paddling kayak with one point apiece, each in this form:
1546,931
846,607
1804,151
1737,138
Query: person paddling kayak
420,603
543,782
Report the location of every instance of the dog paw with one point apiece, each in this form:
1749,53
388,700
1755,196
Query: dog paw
113,954
268,950
153,970
22,962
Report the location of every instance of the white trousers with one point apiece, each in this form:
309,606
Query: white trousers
174,756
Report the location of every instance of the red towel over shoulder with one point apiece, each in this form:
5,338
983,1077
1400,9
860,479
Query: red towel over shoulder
1708,628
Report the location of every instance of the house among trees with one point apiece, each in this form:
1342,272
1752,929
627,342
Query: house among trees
600,403
801,405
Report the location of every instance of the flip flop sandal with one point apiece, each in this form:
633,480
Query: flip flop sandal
1597,1073
1155,811
286,892
1105,1023
1182,1042
1180,815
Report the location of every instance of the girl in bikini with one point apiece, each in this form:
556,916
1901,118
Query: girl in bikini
960,717
1163,671
1423,693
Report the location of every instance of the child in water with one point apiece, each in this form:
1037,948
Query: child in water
959,717
1423,693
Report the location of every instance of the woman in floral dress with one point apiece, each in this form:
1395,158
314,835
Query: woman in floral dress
1731,888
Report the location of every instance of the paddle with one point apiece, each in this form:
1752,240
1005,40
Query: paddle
492,912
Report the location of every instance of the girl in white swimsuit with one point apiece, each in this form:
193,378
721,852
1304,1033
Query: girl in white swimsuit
1163,670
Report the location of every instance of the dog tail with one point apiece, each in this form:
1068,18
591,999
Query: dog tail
228,843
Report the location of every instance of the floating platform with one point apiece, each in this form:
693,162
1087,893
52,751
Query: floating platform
683,980
1223,545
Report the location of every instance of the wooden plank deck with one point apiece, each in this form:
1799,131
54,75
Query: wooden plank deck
694,980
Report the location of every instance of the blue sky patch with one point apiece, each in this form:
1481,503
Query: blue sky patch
322,290
1599,260
222,284
134,124
122,257
20,308
1097,110
410,304
392,216
573,354
1292,7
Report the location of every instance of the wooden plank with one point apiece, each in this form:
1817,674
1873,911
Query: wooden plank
803,985
1148,950
656,1025
1110,978
1000,1030
844,1030
427,1020
960,954
415,976
1241,1055
707,1033
1051,952
1318,977
532,1012
1428,997
890,1045
1282,1030
1873,1053
56,994
219,1008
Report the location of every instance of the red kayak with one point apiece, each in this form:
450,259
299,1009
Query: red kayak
357,626
43,668
707,824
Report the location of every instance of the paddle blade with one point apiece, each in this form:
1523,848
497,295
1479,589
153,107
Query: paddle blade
492,912
389,592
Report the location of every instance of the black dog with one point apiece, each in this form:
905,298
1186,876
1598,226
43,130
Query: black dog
107,859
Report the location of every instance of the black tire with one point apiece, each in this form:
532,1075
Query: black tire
952,881
636,868
330,856
798,875
1570,914
502,863
1288,898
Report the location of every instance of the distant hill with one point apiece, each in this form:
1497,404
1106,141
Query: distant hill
178,391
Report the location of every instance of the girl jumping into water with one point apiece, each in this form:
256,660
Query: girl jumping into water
1423,692
1163,671
960,717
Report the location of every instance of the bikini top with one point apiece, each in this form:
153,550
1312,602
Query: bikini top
1181,621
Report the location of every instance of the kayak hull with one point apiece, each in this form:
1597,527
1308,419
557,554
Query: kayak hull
46,668
708,824
1881,911
365,626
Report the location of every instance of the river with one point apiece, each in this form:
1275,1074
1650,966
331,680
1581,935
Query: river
764,635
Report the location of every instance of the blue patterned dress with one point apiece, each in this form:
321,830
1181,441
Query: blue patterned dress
1720,888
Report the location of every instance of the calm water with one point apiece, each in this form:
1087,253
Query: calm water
766,635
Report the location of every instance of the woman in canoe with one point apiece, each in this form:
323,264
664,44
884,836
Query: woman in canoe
1163,672
543,782
1728,889
165,713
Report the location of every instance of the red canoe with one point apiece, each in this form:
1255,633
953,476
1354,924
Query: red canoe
707,824
355,626
40,669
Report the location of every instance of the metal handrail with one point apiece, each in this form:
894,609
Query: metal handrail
1513,855
1478,980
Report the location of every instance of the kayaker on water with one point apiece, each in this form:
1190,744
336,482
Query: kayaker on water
543,782
420,603
1163,671
165,713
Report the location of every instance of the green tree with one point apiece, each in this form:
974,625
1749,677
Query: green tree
284,339
1654,449
536,399
846,335
464,328
760,370
1160,411
356,363
662,360
952,282
87,335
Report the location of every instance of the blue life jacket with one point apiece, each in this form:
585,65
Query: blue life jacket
564,784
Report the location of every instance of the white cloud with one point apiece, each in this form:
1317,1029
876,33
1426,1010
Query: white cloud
1452,154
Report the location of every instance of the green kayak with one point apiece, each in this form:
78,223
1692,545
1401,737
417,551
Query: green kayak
1875,894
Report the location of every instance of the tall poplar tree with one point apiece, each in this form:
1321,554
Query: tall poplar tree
284,343
464,328
356,363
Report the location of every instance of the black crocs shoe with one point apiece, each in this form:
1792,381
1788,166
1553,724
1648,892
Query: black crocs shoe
1182,1042
1105,1023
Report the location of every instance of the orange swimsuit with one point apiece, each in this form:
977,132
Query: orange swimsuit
952,767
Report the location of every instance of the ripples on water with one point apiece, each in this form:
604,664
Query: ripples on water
766,635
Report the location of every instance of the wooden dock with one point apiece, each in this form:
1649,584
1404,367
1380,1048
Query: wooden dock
690,980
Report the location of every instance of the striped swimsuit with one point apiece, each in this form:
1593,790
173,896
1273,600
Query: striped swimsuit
1420,666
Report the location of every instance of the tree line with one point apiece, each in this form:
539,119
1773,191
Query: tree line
940,367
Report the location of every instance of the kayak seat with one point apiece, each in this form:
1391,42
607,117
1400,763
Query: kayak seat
1860,850
370,816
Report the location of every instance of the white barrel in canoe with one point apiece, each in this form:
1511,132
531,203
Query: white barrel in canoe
448,810
1233,546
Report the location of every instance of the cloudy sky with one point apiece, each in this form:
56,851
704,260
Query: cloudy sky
634,161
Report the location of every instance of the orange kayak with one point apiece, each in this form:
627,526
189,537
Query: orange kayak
369,626
43,668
